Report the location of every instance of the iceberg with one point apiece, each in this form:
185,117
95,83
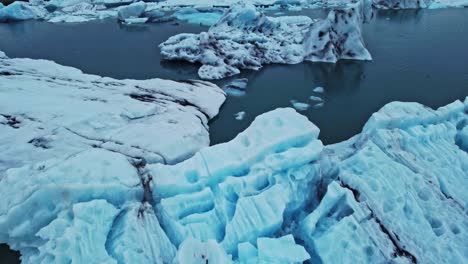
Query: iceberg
120,171
245,38
19,11
134,10
394,194
69,138
237,87
318,89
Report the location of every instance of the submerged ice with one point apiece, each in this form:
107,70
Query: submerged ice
245,38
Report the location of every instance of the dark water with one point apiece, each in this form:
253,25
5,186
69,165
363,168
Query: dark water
8,256
419,55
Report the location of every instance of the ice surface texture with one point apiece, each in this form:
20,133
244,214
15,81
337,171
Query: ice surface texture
389,194
98,170
245,38
18,11
395,193
70,138
241,190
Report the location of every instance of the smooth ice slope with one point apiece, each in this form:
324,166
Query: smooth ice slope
245,38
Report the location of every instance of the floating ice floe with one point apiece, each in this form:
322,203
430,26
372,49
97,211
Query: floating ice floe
319,105
240,115
245,38
237,87
300,106
315,98
318,89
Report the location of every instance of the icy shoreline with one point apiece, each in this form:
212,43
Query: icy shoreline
94,159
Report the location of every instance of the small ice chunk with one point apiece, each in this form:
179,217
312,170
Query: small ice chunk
68,19
236,87
315,98
133,10
319,89
299,106
135,20
239,116
319,105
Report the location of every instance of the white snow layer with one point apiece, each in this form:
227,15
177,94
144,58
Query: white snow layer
75,138
245,38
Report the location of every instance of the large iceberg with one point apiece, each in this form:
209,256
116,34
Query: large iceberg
100,170
395,190
19,11
245,38
69,139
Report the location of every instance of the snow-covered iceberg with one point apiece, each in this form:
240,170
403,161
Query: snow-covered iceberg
245,38
70,138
